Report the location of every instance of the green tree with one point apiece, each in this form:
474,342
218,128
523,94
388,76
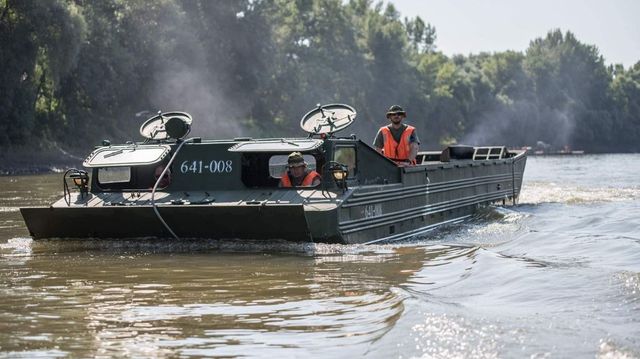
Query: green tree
75,71
571,88
625,89
40,42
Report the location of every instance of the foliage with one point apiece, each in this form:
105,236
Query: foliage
72,71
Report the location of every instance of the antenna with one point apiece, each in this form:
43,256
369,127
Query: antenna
328,119
166,125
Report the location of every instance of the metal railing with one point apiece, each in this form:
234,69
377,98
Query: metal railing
489,153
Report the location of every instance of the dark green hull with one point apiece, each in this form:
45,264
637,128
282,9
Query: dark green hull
435,194
409,201
193,221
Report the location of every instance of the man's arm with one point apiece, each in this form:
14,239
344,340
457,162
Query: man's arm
378,142
413,151
414,144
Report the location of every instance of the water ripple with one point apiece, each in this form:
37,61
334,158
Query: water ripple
557,276
538,192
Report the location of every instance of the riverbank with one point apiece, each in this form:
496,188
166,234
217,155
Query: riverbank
29,160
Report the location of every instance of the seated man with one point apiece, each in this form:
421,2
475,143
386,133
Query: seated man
298,175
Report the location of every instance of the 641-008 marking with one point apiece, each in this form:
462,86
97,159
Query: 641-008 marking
213,166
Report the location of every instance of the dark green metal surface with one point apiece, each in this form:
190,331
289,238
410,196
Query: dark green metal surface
216,192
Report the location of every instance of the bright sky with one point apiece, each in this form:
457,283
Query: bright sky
473,26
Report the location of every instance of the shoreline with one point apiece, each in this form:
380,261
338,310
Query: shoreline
23,161
36,168
33,170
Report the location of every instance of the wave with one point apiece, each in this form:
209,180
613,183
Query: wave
25,247
551,192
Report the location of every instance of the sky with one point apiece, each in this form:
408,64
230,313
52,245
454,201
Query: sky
473,26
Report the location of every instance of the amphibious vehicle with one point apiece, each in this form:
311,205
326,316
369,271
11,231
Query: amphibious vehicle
172,186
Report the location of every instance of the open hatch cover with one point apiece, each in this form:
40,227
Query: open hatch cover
277,145
115,156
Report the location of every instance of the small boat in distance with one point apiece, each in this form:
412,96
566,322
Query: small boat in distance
172,186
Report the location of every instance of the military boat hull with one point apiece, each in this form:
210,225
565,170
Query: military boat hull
229,189
426,196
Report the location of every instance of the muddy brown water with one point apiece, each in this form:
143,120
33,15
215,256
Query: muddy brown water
557,276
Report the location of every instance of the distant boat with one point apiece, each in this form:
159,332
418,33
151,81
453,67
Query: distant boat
229,188
558,153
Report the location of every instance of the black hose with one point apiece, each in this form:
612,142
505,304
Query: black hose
155,186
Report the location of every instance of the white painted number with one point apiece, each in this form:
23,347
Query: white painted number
214,166
372,210
220,166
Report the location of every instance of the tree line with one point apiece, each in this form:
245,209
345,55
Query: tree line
75,71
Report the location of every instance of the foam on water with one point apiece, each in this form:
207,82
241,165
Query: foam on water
550,192
608,349
16,246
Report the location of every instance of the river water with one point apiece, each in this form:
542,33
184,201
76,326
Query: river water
558,276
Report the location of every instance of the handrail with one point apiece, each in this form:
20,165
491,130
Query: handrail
489,153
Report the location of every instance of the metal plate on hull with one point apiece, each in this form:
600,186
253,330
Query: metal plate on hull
451,193
195,221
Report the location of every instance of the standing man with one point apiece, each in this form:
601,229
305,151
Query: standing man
397,141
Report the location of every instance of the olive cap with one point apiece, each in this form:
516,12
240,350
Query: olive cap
396,109
295,159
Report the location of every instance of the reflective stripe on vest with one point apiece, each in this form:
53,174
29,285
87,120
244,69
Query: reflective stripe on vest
394,150
307,181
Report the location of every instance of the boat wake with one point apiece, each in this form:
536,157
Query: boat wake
27,246
534,192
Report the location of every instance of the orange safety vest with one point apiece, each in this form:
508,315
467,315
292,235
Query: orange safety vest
306,182
397,151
